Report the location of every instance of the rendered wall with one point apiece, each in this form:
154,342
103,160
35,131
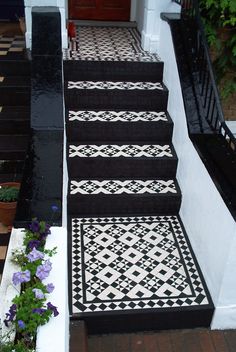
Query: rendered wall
209,225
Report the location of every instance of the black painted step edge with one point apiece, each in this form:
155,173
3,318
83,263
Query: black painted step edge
108,70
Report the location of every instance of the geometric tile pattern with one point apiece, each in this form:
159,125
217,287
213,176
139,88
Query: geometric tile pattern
117,116
122,187
130,263
107,44
114,85
15,44
124,150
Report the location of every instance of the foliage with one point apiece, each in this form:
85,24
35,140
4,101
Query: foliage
219,18
8,193
31,308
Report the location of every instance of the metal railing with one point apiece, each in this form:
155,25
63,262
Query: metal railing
202,68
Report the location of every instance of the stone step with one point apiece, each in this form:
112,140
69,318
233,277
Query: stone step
136,273
121,160
108,125
108,70
116,95
123,196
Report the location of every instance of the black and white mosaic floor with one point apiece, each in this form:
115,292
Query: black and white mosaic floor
107,44
125,263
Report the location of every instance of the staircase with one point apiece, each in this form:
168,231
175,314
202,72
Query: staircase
131,264
14,119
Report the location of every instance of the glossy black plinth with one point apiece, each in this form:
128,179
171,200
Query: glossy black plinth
42,180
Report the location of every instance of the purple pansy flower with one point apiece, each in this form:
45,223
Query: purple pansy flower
34,226
54,208
38,293
11,315
34,244
21,324
43,270
39,311
21,276
50,287
35,255
53,309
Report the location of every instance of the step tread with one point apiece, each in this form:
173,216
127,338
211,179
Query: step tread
117,116
133,264
115,85
123,150
119,187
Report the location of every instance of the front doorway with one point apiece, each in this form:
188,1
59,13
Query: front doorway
105,10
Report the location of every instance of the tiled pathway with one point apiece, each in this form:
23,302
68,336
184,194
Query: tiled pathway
198,340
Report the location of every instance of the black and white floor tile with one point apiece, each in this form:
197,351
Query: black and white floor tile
117,116
94,187
114,85
115,151
15,44
107,44
132,263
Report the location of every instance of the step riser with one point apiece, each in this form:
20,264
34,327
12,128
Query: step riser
119,131
12,167
103,71
122,167
109,205
14,96
14,68
20,127
12,155
104,99
150,321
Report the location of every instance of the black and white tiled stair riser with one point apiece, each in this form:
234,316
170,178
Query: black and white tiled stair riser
107,44
121,264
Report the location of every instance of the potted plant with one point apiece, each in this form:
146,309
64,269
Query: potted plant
8,200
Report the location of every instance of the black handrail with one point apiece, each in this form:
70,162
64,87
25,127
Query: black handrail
202,66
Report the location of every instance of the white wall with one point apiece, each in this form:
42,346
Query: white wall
149,22
210,226
61,4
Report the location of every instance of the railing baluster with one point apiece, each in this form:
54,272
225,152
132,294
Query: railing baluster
209,97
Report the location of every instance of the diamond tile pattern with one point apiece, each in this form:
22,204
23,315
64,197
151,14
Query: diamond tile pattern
94,187
107,44
126,263
117,116
110,150
114,85
15,44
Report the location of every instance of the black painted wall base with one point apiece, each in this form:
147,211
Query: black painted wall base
42,181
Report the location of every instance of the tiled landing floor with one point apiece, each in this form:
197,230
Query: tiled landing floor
107,44
11,45
133,263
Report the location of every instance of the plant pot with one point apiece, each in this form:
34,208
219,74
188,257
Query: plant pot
8,209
